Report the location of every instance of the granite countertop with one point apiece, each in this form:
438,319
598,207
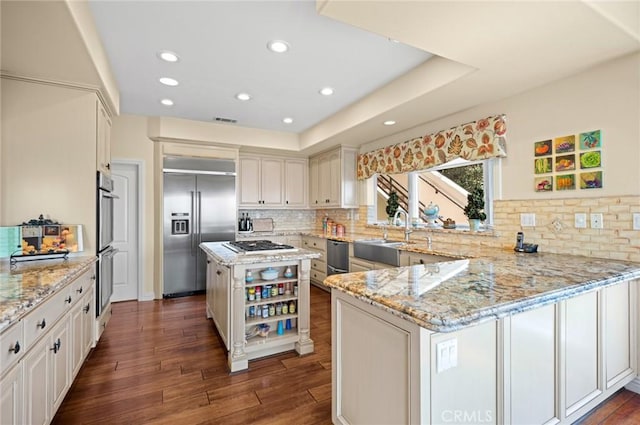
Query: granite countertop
28,284
227,257
448,296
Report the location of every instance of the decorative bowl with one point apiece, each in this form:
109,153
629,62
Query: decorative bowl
269,274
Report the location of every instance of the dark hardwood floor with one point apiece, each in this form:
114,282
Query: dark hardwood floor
162,362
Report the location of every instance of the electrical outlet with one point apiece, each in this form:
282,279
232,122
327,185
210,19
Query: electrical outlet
528,220
596,221
581,220
636,221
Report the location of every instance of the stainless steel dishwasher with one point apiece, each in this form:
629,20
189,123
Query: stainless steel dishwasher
337,257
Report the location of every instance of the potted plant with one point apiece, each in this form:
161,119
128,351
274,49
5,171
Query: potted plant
392,206
475,208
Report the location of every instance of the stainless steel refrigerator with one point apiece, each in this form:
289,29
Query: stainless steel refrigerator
199,206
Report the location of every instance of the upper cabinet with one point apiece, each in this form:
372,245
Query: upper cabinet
333,179
272,182
103,139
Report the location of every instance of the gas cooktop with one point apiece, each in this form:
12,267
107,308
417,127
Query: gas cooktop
258,247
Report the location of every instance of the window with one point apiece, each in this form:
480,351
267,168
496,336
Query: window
446,186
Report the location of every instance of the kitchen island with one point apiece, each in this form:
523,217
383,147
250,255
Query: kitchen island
253,326
508,338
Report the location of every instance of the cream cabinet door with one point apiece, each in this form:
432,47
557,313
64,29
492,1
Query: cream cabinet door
221,303
295,183
271,182
324,180
249,176
314,181
37,384
334,178
11,397
103,139
60,354
356,265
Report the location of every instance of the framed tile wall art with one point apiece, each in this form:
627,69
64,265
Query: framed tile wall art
568,162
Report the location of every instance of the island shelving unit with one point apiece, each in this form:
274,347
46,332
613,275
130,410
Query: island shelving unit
229,306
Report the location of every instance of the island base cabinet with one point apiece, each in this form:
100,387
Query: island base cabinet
37,384
547,365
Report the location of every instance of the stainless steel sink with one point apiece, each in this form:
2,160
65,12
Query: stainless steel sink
378,250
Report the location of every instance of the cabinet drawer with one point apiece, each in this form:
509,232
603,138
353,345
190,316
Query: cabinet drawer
318,276
44,316
318,265
318,244
12,346
81,286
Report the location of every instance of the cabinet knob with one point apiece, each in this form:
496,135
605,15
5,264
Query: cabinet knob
108,166
16,348
421,261
86,308
68,299
42,324
93,277
218,272
79,291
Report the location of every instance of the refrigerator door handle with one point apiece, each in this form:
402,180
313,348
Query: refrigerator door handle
193,221
199,201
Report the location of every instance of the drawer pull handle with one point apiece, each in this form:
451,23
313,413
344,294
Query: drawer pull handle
16,348
68,299
42,324
93,277
56,346
79,291
86,308
218,272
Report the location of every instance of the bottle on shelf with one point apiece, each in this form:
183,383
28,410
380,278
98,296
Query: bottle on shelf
292,307
280,328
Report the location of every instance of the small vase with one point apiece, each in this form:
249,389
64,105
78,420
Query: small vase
474,224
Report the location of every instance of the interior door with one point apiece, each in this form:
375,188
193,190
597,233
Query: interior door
125,232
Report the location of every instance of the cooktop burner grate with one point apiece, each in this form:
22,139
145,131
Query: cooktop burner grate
261,245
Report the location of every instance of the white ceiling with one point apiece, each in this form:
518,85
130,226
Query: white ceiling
484,51
222,47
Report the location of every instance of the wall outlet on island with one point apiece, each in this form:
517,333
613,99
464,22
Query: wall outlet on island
636,221
596,221
447,354
581,220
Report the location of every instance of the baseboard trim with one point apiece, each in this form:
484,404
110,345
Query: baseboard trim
149,296
634,385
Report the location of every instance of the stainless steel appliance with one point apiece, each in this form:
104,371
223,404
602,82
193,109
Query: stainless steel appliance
337,257
105,252
259,247
199,206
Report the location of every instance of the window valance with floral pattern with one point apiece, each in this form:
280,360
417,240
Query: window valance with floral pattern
473,141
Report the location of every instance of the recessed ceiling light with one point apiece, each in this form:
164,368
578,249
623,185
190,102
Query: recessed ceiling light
389,122
243,96
326,91
168,56
287,120
167,102
168,81
278,46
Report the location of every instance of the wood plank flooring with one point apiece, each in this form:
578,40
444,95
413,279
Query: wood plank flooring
162,362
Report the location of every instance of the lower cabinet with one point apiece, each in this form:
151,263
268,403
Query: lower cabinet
31,391
11,397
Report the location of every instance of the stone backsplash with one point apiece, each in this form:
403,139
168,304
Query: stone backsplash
554,231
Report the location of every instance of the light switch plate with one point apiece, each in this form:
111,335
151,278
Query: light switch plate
596,221
581,220
528,220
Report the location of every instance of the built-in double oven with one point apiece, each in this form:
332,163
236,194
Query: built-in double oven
105,249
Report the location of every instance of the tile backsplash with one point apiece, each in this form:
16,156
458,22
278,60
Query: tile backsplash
554,231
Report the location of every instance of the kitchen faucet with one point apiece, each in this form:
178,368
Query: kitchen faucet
407,229
385,234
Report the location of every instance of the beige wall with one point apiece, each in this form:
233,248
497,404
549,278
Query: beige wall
49,155
605,98
129,141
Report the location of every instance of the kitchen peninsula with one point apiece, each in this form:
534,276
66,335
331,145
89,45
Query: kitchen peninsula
507,338
253,327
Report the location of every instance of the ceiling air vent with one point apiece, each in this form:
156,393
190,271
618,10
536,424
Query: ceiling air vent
227,120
